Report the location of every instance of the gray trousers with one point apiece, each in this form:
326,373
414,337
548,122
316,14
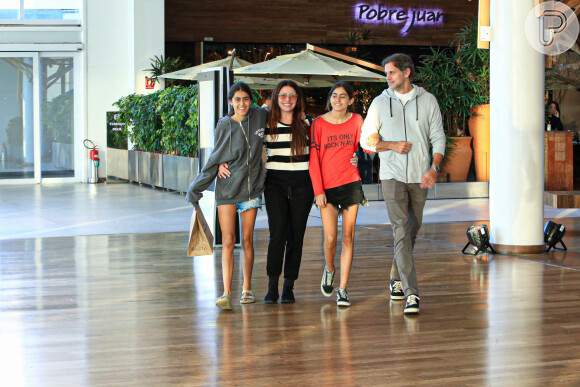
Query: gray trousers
405,203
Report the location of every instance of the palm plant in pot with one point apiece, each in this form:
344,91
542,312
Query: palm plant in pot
475,63
444,75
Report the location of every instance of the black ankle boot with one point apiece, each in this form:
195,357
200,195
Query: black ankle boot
272,295
287,292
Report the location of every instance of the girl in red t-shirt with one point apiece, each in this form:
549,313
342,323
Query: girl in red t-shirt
337,183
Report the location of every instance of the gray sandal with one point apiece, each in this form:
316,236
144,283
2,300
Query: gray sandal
248,297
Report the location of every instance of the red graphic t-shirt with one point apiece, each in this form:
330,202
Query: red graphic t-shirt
331,149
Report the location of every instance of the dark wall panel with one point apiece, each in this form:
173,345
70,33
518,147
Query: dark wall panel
308,21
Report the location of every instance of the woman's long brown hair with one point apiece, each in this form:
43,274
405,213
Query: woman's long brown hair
300,131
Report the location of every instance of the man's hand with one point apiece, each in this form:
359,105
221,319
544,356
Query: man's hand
354,160
429,179
321,201
373,139
223,171
401,147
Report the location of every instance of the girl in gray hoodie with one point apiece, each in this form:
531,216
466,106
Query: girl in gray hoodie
238,141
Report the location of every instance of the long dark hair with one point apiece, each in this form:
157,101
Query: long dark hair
346,86
239,86
300,131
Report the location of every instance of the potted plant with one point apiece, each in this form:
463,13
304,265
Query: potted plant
476,65
160,66
163,128
142,125
444,75
177,108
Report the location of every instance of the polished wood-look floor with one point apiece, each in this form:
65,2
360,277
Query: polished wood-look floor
132,310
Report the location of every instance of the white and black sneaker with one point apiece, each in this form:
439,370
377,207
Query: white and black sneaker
396,288
327,281
342,297
412,306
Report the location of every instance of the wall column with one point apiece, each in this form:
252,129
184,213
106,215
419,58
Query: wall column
516,188
121,37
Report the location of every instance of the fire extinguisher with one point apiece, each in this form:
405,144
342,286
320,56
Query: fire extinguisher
93,161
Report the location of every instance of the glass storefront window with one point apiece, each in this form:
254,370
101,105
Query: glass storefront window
9,9
55,10
51,9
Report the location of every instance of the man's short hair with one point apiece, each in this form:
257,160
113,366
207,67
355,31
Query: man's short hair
402,62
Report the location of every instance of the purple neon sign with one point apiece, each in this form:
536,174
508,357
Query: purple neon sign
410,17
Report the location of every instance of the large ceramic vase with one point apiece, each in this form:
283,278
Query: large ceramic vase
457,161
479,130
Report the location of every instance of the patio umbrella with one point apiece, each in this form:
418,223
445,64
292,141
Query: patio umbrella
190,73
309,69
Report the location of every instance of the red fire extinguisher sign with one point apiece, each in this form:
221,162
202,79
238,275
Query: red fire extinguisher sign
149,83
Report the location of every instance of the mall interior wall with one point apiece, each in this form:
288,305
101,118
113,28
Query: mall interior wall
121,38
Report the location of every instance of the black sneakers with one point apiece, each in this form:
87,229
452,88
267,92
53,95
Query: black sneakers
412,305
396,288
342,297
327,281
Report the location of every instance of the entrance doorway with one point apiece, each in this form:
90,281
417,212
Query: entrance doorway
39,109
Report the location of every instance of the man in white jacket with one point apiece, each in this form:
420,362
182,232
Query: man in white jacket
400,125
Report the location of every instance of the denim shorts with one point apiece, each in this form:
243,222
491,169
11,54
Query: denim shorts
346,195
249,204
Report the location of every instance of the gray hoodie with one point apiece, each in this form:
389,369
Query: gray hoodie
240,145
418,122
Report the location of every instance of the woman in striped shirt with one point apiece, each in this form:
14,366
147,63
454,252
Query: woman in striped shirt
288,189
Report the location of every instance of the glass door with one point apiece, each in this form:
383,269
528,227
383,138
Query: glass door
19,159
39,118
57,116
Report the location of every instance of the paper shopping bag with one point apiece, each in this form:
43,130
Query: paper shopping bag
200,236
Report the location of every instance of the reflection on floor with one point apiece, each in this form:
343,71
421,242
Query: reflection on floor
132,309
97,209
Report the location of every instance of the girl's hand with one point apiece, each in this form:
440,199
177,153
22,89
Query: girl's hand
354,160
223,171
321,200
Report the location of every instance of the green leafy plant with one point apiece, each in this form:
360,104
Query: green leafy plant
165,121
365,34
160,66
458,77
474,61
139,112
178,109
353,37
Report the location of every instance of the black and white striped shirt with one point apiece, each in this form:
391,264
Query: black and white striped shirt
280,165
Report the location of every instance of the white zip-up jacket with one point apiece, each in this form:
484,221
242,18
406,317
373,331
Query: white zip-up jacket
418,122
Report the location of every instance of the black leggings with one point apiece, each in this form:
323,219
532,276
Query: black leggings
288,208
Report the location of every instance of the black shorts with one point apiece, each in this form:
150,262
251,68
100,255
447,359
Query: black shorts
347,195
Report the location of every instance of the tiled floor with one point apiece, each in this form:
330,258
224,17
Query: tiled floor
122,208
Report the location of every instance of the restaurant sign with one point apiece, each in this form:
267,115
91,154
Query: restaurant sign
413,17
